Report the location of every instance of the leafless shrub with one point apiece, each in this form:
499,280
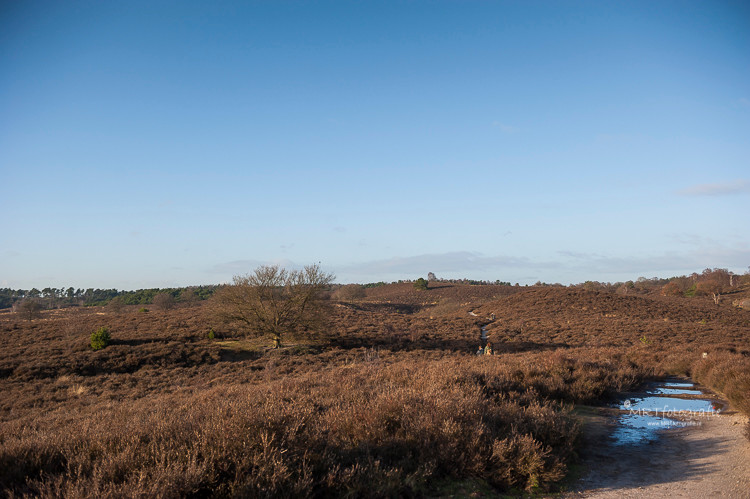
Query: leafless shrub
28,309
164,301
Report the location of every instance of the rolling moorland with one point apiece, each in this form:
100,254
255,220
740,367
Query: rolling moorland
388,399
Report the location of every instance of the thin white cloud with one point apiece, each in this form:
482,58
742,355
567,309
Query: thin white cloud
739,186
452,262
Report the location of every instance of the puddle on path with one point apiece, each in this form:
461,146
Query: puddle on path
667,405
634,429
676,391
677,384
645,415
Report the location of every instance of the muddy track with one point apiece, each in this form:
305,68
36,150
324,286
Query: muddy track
707,460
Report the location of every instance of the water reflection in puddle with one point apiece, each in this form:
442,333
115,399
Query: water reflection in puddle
677,384
637,429
677,391
667,405
651,412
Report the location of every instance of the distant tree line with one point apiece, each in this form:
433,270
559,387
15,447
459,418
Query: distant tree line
422,283
472,282
711,282
72,297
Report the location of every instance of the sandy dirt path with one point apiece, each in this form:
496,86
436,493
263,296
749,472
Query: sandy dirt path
709,460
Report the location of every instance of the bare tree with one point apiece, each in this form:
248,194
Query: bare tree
273,301
29,309
164,301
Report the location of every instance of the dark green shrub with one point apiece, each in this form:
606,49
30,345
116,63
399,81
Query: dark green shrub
420,284
100,338
211,334
143,310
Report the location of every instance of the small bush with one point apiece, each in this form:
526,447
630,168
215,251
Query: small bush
100,338
522,462
142,310
211,334
420,284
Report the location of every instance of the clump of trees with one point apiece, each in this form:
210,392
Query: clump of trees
711,282
275,302
61,297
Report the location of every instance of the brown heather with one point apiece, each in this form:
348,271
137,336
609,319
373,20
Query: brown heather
389,402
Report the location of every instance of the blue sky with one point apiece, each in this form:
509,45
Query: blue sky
147,144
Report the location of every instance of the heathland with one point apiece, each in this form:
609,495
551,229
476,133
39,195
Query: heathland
388,398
